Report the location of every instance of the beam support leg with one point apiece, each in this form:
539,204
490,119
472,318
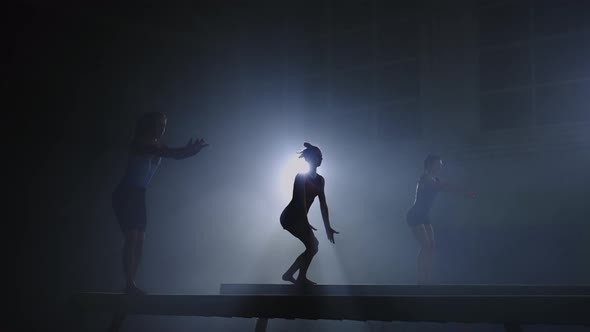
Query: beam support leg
261,324
116,322
79,320
512,328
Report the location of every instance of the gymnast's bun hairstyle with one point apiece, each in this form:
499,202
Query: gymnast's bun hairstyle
147,122
309,151
430,159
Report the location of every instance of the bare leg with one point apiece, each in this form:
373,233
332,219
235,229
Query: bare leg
130,260
430,256
304,259
311,249
288,275
138,252
422,237
129,256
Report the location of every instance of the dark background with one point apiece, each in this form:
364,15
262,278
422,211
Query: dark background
500,88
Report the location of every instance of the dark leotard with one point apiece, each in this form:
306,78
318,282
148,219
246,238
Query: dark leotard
128,199
294,216
426,192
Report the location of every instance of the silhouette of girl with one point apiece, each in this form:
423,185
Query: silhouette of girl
128,198
294,217
418,216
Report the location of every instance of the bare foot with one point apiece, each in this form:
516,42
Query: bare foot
303,281
289,278
134,290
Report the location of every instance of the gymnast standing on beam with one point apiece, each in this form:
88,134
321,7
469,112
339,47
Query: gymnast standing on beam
128,199
294,218
418,216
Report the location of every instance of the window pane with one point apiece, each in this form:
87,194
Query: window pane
308,17
399,121
564,103
563,58
353,48
398,81
504,24
397,41
506,110
308,56
353,89
347,14
555,17
309,92
504,68
395,11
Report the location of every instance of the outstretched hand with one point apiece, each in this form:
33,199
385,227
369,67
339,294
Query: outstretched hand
197,145
330,233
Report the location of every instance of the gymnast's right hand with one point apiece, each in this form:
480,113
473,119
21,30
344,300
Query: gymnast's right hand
330,233
197,146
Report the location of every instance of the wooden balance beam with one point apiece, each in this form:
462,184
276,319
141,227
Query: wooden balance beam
403,290
552,305
451,293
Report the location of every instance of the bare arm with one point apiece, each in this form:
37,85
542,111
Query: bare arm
455,189
325,215
324,209
161,150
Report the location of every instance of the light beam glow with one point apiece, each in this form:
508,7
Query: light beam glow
291,168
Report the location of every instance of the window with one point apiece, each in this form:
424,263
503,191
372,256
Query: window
534,61
504,68
359,67
398,82
506,110
399,121
563,103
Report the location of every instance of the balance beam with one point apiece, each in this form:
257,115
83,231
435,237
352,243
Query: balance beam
404,290
510,310
448,290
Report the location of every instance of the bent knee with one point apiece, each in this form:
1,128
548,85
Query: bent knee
313,247
314,250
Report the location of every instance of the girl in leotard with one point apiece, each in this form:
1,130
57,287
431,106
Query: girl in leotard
128,198
418,216
294,218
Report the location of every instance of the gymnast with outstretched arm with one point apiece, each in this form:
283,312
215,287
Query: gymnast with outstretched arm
418,217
